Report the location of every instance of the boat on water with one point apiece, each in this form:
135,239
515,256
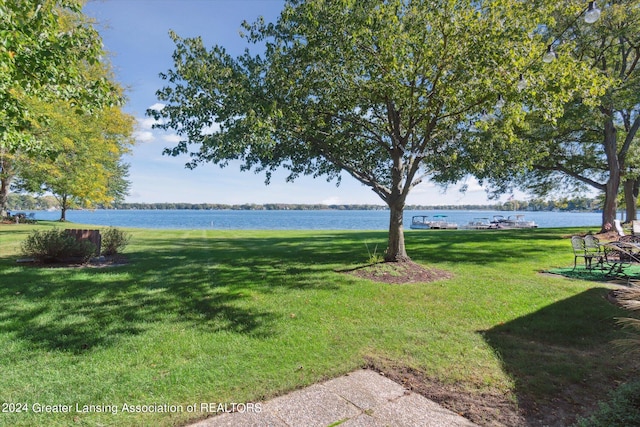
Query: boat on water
511,222
479,224
438,222
420,222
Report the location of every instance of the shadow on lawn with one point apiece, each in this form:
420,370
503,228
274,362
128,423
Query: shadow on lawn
484,247
561,357
76,313
206,281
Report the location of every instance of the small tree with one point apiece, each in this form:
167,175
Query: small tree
85,167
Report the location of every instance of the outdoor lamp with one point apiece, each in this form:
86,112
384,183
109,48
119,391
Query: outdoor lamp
500,102
549,55
522,83
592,14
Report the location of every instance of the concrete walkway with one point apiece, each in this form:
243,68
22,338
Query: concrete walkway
361,398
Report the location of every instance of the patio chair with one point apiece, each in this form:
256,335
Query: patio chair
577,242
617,258
618,226
593,250
629,239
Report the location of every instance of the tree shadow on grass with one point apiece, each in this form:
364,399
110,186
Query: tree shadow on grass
206,281
481,247
75,310
561,357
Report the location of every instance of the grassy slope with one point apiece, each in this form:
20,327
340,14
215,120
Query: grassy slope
236,316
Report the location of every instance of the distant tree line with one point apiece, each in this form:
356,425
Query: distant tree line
245,206
563,204
27,202
18,202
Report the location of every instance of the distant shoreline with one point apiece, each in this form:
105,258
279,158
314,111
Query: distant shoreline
27,203
319,207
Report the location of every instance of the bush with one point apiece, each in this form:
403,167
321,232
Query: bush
622,409
114,241
56,245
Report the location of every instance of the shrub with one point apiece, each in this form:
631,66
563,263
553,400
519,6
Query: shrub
622,409
56,245
114,241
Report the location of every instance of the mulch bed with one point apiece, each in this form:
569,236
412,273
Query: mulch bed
100,262
398,273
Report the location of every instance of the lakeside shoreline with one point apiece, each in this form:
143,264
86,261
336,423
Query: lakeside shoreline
296,219
302,207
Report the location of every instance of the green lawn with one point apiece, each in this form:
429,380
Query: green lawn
238,316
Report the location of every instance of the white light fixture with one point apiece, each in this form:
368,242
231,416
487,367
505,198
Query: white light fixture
500,102
522,83
592,14
549,55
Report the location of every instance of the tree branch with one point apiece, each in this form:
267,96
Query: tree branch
566,171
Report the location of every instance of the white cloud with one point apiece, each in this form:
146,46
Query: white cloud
147,122
423,187
473,185
144,136
171,138
331,201
157,106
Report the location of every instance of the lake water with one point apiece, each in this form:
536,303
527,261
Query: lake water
296,220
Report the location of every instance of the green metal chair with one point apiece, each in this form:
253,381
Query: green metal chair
577,243
593,251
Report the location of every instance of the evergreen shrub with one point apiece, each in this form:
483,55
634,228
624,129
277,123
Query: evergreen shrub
56,245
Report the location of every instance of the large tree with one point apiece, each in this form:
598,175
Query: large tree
592,142
46,48
382,90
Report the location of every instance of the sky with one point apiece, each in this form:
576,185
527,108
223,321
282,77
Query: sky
135,33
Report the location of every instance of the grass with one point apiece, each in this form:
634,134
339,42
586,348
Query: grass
210,316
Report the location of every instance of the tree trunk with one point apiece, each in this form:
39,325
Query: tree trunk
396,250
5,181
612,186
631,187
63,208
609,209
4,196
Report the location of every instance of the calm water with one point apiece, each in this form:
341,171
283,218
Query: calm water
295,220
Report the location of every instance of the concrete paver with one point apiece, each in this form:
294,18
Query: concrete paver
362,398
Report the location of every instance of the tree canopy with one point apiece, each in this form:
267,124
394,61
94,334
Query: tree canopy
387,91
49,53
44,47
85,166
592,143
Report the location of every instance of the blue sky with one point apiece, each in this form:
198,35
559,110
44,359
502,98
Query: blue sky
135,33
